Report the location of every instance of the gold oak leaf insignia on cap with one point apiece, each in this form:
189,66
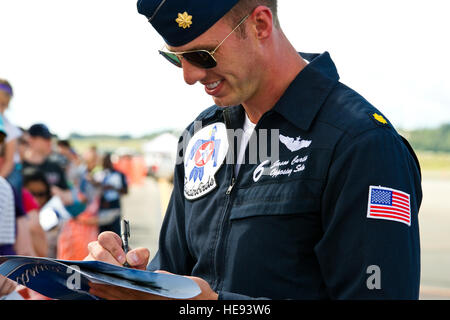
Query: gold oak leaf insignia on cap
379,118
184,20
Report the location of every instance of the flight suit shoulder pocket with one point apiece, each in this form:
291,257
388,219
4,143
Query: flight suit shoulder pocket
292,197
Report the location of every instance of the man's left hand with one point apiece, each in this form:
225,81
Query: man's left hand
6,286
118,293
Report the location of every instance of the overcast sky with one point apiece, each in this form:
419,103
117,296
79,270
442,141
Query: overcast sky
91,66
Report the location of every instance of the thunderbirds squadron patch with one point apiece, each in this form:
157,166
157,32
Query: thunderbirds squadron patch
205,155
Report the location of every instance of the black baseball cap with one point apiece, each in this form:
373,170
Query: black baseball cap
40,130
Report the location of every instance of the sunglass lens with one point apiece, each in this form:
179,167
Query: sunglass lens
39,194
200,59
173,58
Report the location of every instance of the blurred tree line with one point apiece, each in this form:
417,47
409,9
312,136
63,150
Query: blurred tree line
149,136
436,140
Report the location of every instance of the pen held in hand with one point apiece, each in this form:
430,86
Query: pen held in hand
125,234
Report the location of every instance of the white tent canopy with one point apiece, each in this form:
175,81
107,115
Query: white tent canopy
164,143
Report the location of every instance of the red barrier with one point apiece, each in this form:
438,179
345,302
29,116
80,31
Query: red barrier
133,167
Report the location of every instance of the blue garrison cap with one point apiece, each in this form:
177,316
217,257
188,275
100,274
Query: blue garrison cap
181,21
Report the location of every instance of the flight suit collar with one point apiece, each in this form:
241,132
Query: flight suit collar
306,94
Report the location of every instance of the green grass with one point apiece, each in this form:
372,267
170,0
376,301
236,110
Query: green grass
434,161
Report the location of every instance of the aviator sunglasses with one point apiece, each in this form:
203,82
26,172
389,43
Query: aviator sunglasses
201,58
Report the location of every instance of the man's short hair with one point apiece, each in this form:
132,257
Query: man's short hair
244,7
64,143
35,175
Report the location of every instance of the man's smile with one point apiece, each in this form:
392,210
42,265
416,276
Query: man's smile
213,88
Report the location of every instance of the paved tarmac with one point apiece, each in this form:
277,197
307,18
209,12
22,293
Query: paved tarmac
145,206
434,221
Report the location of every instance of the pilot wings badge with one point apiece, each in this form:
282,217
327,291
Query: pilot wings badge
205,155
294,144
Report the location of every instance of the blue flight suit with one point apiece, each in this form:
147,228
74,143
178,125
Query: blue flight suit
302,231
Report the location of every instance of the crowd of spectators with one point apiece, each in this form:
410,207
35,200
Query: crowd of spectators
53,200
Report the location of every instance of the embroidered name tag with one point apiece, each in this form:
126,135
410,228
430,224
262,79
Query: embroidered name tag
285,167
205,155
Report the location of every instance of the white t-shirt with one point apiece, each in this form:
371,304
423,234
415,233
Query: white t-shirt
248,128
12,132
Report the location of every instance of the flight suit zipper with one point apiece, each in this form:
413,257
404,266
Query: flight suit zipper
230,188
222,239
225,213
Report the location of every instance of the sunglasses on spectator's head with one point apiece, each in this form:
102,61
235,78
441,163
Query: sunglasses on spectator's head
200,58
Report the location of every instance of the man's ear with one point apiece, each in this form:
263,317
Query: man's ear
263,21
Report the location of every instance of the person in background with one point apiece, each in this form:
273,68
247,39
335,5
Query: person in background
92,161
7,232
40,155
77,232
9,215
62,241
23,144
23,243
113,185
71,162
36,183
38,236
11,167
7,209
90,168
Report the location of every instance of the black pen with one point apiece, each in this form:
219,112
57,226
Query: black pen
125,234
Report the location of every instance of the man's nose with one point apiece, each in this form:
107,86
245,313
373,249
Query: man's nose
191,73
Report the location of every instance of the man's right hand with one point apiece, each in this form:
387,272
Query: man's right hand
108,248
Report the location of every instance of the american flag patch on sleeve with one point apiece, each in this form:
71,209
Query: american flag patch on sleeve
389,204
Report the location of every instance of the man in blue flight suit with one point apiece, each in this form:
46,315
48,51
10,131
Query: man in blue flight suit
331,213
